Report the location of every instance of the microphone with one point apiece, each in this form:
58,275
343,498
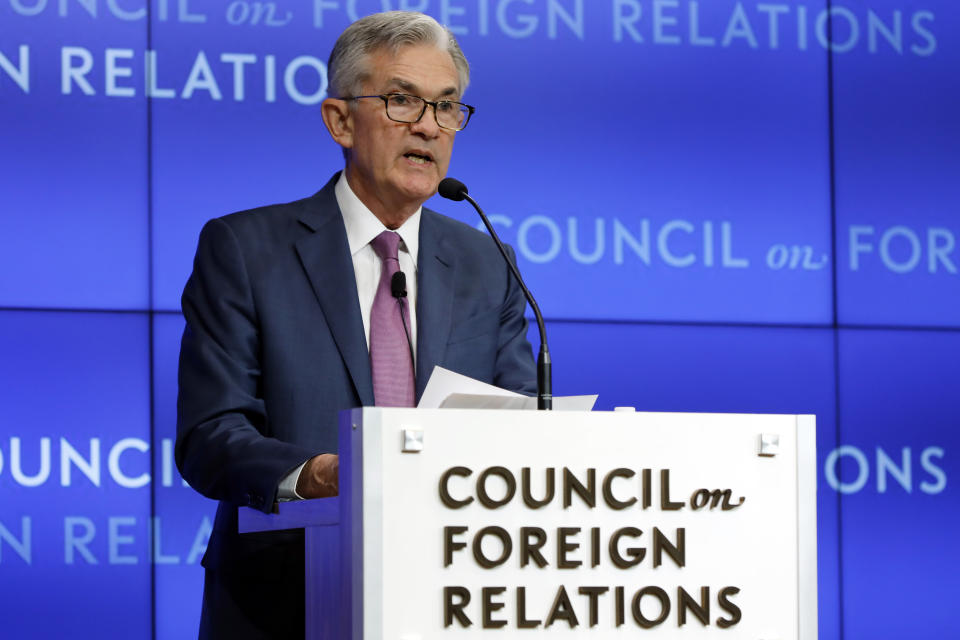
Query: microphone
398,289
453,189
398,285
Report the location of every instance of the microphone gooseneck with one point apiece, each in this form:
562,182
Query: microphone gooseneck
453,189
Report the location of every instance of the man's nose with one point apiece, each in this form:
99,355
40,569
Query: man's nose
427,124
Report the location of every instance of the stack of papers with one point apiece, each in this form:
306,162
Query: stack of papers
449,390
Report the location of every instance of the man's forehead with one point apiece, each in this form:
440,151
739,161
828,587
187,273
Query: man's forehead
419,69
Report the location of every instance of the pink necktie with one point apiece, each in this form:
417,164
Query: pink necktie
390,360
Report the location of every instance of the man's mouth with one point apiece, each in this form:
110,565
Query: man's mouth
418,158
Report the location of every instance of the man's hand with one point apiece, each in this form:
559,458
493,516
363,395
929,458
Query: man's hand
320,477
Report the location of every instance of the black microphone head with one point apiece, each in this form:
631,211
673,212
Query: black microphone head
452,189
398,285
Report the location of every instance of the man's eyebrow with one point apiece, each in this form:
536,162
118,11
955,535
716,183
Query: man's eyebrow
406,85
411,88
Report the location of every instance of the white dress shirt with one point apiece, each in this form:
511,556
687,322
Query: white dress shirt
362,227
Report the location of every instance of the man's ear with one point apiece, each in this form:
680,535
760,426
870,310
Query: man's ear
338,118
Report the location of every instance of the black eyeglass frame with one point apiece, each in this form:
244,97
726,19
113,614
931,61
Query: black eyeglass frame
386,105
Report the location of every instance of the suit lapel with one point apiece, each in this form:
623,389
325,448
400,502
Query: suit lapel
436,269
325,256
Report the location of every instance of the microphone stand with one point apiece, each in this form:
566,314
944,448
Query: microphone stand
544,366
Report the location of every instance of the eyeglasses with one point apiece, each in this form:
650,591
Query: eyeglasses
403,107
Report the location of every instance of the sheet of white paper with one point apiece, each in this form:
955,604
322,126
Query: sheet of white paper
444,382
573,403
449,390
476,401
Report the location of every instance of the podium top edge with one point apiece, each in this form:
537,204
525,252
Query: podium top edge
514,412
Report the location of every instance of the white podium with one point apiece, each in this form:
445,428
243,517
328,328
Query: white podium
476,524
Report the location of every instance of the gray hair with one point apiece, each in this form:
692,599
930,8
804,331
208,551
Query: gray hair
347,67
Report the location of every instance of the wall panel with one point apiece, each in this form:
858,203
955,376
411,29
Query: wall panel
74,388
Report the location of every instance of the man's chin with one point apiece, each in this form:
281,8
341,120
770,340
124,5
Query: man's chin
420,189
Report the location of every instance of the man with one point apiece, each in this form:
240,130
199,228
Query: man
291,316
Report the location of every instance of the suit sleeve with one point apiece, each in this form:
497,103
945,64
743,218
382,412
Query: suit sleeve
222,448
515,369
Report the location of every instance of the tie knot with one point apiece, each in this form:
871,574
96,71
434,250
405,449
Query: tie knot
386,245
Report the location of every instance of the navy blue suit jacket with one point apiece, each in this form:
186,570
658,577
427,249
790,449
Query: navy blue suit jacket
274,346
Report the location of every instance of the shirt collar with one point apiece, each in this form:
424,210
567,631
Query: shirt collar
362,226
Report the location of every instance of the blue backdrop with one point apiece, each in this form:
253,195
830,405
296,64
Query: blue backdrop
723,206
